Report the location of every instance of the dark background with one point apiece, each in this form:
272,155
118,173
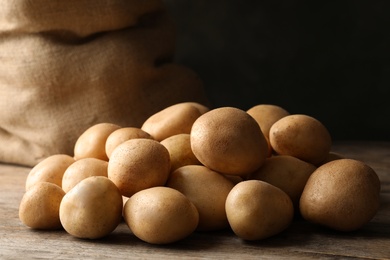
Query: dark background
330,60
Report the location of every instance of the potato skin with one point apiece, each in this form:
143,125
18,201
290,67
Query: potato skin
342,195
257,210
39,207
301,136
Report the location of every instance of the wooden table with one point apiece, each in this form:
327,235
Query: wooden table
301,240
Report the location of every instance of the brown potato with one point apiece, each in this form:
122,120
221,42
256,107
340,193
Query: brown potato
81,170
92,142
123,134
301,136
50,170
258,210
160,215
179,148
208,190
92,209
288,173
342,195
173,120
228,140
139,164
39,207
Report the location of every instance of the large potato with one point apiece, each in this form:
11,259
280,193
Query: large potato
208,190
160,215
228,140
341,194
92,209
139,164
301,136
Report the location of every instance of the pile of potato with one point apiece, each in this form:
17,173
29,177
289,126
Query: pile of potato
191,169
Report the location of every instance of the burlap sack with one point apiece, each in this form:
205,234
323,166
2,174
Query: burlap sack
66,65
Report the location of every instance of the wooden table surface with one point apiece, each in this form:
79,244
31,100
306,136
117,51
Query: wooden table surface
301,240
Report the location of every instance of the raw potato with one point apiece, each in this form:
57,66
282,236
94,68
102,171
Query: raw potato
139,164
123,134
81,170
342,195
92,142
39,207
92,209
173,120
208,190
160,215
288,173
50,170
228,140
301,136
258,210
179,148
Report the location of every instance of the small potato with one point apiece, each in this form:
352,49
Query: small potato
266,115
123,134
342,195
50,170
301,136
81,170
92,142
92,209
228,140
208,190
258,210
39,207
288,173
160,215
173,120
139,164
179,148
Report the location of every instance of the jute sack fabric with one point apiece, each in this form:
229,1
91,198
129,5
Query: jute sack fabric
66,65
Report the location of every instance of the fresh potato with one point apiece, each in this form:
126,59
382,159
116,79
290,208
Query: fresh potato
139,164
342,195
228,140
258,210
92,209
123,134
39,207
160,215
81,170
50,170
173,120
288,173
208,190
92,142
179,148
301,136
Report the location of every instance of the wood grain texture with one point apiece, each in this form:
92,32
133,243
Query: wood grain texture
301,240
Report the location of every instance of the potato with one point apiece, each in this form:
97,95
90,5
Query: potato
288,173
160,215
301,136
39,207
92,142
208,190
228,140
123,134
139,164
258,210
92,209
51,169
341,194
173,120
81,170
266,115
179,148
